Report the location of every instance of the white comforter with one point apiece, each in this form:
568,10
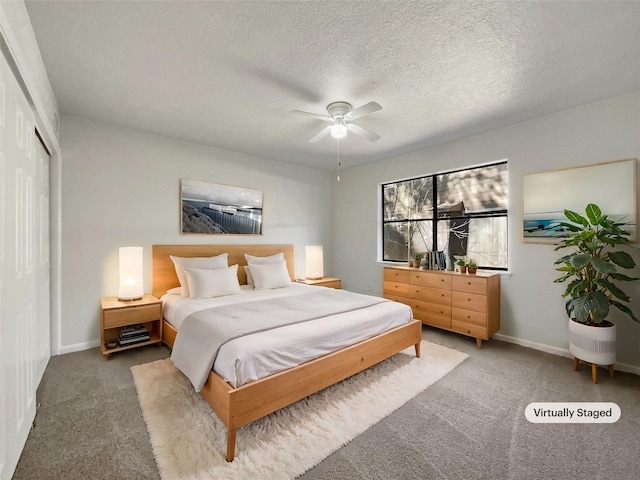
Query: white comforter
261,354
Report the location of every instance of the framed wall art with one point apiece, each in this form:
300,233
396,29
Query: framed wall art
213,208
545,196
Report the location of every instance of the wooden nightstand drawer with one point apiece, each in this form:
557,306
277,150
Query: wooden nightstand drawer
128,315
145,315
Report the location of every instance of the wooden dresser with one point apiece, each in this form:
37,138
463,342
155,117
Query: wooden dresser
462,303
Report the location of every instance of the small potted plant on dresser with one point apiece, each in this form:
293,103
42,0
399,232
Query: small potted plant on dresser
472,266
590,269
462,265
417,258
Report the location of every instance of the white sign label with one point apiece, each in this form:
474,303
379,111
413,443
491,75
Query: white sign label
572,412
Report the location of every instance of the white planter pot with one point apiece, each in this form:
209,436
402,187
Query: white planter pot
593,344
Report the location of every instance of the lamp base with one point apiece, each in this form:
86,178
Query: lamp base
314,278
130,299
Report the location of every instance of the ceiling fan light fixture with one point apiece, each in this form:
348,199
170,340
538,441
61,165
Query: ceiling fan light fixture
338,130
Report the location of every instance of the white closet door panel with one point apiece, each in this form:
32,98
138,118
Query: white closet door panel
24,268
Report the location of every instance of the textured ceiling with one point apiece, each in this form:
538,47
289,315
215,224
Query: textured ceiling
228,73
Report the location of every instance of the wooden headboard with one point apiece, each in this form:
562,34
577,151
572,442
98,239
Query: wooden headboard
164,273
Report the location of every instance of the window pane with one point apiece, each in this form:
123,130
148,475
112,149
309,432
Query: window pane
421,237
453,235
395,239
487,243
411,199
478,190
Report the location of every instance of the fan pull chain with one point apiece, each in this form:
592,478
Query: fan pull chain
339,162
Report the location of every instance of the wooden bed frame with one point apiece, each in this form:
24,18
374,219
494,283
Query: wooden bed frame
237,407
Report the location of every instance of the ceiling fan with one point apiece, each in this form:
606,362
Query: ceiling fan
341,116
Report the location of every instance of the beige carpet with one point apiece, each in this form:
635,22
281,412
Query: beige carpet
189,441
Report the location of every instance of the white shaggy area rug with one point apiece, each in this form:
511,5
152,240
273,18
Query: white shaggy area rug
189,441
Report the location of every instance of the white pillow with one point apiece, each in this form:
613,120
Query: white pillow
270,276
275,258
205,263
252,260
175,291
213,283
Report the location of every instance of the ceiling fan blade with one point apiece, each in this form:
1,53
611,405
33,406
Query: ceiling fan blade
363,132
364,110
326,118
321,134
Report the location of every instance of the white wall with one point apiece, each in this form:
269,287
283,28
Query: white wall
532,306
121,187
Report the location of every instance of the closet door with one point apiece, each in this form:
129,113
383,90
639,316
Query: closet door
24,268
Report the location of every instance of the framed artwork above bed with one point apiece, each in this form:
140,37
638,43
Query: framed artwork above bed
214,208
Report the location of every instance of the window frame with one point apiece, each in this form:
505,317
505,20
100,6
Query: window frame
502,213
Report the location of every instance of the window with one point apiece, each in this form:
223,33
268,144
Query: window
461,213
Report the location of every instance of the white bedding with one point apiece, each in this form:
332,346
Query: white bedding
254,356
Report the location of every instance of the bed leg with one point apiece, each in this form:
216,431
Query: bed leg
231,443
418,349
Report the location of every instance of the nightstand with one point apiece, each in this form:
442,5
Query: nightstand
322,282
116,314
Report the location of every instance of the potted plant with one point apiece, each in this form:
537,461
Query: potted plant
472,266
591,270
417,257
462,265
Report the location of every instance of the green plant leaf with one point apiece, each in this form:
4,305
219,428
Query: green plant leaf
622,259
623,308
575,217
602,266
591,307
615,291
580,260
594,214
623,278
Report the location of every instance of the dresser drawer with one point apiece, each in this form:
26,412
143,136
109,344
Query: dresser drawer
398,299
396,289
469,301
469,284
129,315
469,322
469,329
434,295
433,280
394,275
433,314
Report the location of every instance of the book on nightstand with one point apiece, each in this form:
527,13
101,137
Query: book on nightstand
133,334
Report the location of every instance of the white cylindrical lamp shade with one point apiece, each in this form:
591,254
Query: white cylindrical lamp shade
131,273
315,263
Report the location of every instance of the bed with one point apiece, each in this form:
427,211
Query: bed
237,406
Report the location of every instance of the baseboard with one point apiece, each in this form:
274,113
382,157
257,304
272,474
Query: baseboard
78,347
562,352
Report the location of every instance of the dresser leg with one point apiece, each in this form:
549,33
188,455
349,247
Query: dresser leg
479,342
